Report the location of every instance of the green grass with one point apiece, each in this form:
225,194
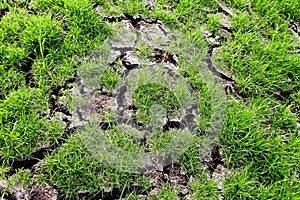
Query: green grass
145,96
23,126
42,41
71,170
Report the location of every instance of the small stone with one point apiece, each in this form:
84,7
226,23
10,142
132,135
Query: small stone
151,3
220,186
174,181
175,58
140,196
218,168
166,176
170,66
182,172
53,96
154,192
298,176
131,60
206,33
184,190
86,90
213,41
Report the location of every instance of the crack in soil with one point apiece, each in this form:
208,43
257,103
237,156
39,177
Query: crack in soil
135,21
3,12
214,159
26,162
27,69
211,49
295,27
224,9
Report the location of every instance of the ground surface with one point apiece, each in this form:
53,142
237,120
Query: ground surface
255,47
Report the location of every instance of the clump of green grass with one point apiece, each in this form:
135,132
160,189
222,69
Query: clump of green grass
274,10
32,34
262,54
243,185
82,24
72,169
127,140
269,151
83,30
24,127
109,78
275,68
25,38
264,64
145,96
